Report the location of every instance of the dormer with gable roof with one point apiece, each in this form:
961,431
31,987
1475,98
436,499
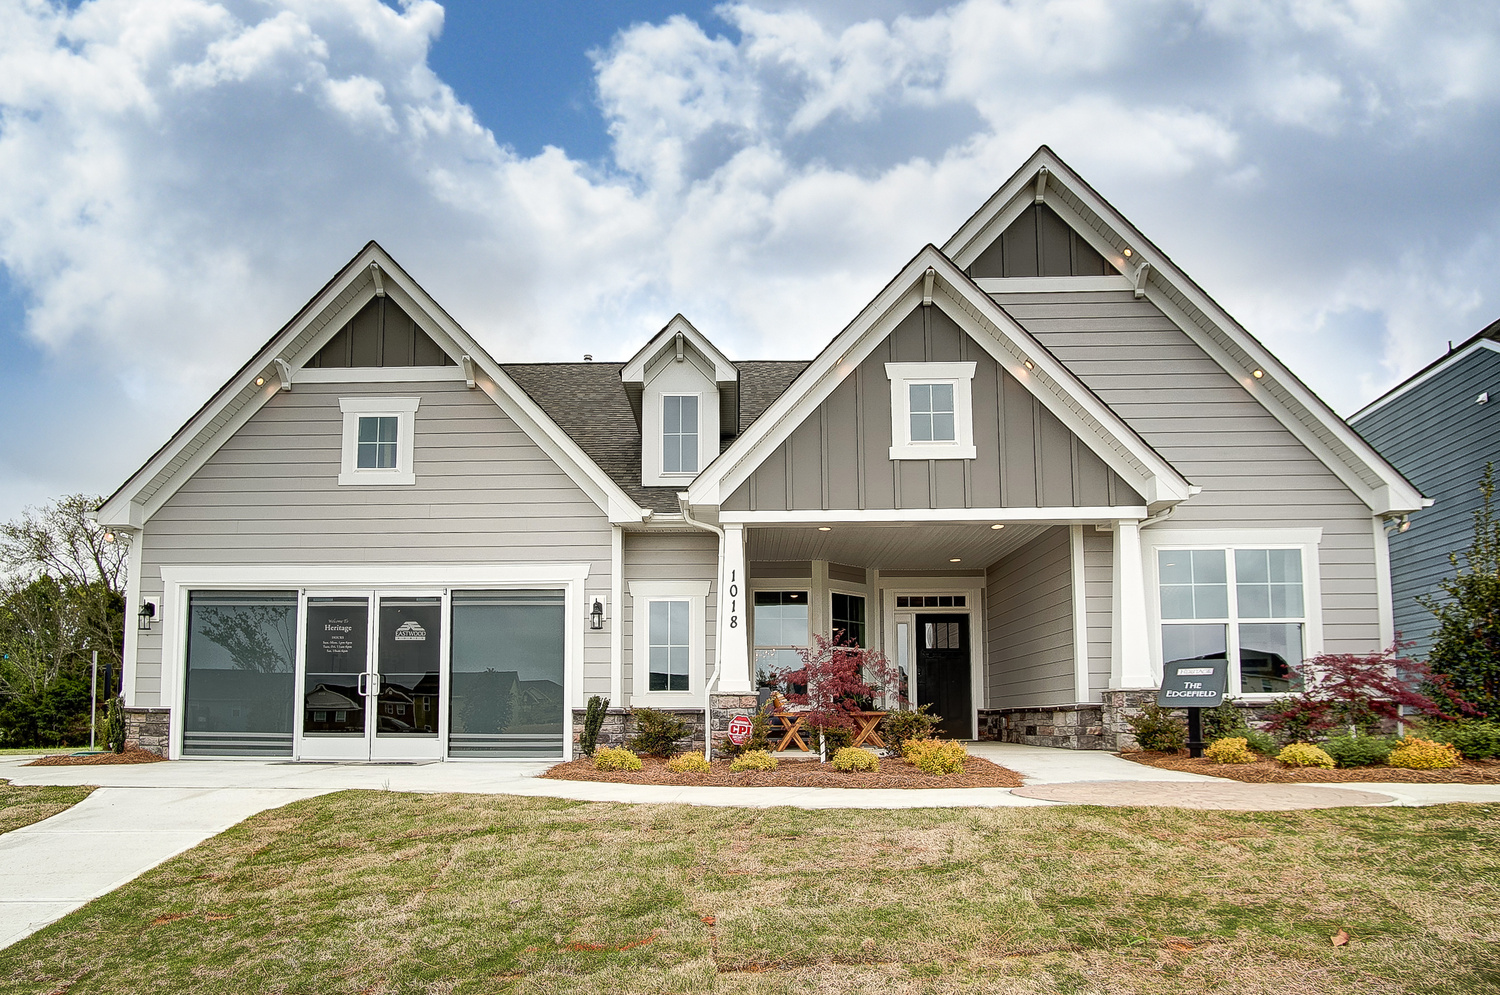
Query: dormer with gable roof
685,395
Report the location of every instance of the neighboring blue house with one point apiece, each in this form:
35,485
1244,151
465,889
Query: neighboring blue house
1439,428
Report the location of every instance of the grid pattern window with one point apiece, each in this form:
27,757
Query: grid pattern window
932,412
679,433
1259,630
848,619
932,601
377,442
780,625
668,645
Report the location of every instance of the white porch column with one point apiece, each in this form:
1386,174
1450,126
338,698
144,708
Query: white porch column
734,645
1130,660
616,617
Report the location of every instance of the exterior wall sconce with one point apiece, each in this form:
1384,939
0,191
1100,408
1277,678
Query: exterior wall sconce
596,615
145,616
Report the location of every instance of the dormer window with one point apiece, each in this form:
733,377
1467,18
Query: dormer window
679,440
932,410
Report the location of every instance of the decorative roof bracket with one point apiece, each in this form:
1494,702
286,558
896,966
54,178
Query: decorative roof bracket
469,380
1041,185
283,372
1142,271
379,283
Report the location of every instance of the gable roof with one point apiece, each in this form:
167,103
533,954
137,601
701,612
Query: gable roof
371,270
1022,356
1486,338
1046,177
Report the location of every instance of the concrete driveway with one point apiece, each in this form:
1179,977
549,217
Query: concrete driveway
142,815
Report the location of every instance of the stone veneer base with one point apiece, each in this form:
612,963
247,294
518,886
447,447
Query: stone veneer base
149,728
619,726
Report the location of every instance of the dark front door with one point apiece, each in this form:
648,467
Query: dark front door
943,672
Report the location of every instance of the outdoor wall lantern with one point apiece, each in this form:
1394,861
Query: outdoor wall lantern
596,615
145,616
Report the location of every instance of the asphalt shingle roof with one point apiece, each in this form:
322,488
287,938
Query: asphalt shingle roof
588,401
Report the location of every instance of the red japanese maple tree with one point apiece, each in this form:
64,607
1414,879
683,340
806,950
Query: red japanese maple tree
839,679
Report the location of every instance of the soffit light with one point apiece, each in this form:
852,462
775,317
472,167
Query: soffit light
1028,364
997,527
1257,374
955,559
260,381
825,528
1128,253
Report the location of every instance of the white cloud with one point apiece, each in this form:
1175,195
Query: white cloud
177,176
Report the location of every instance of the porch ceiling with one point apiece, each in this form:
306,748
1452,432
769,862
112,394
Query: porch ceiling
893,546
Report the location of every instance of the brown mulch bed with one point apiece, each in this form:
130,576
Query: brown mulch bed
132,755
1266,771
893,773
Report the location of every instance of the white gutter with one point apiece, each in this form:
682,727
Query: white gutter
687,516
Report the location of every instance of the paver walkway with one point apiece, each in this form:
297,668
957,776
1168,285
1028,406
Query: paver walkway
144,814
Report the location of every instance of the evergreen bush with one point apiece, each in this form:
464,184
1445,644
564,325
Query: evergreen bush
657,732
1466,650
936,756
1261,742
855,759
1304,755
616,758
911,723
114,726
1475,740
760,735
1358,749
1423,754
593,721
1230,750
1157,728
689,763
753,760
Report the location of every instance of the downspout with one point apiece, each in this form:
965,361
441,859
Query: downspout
687,516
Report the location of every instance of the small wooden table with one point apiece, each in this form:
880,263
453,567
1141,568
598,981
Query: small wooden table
793,722
865,724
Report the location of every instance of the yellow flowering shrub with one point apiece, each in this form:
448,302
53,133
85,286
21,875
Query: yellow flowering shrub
855,759
936,756
1423,754
753,760
616,758
1230,750
1304,755
688,763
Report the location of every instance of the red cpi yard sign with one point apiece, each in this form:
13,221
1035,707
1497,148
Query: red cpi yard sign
739,730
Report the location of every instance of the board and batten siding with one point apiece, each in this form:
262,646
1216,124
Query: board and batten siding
1029,625
1439,437
485,493
839,457
1253,471
669,556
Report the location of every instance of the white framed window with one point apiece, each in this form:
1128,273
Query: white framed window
668,639
377,446
932,410
679,433
779,626
846,614
1249,598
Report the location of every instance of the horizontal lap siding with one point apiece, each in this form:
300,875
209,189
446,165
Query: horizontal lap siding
1440,438
1029,625
1253,471
1099,581
670,556
485,494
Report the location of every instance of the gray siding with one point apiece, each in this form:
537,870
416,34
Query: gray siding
485,494
1253,471
839,458
1440,439
670,556
1029,625
1099,580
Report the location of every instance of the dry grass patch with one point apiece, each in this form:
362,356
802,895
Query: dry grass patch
384,893
1269,771
21,806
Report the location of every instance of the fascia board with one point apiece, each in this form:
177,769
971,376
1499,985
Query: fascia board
117,508
1399,494
634,370
1009,344
1434,370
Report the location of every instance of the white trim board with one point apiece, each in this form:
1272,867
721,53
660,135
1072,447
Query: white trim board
1440,366
957,516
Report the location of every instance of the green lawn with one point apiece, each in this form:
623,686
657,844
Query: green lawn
371,892
26,751
22,806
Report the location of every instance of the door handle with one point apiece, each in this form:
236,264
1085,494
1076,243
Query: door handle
362,686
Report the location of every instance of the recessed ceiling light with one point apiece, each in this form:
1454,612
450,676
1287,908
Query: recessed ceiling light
1257,374
1028,364
997,526
1127,253
955,559
825,528
260,381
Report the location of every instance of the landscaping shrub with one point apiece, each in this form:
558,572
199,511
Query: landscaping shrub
753,760
1158,728
657,732
1304,755
1224,722
855,759
1230,750
1475,740
593,720
1424,754
688,763
616,758
912,723
1261,742
1358,749
114,726
936,756
835,738
1465,657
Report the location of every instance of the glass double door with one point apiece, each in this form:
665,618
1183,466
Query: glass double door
371,677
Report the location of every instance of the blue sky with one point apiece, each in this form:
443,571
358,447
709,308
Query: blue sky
177,177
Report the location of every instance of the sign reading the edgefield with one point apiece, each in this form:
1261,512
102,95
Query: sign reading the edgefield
1192,684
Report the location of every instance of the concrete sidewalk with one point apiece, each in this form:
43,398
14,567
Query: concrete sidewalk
144,814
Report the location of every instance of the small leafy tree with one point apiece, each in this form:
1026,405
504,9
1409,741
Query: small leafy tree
1355,691
839,680
1467,648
